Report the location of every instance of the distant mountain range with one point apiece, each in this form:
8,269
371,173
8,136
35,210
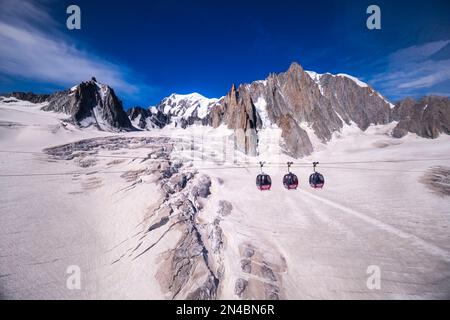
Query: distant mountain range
177,109
300,103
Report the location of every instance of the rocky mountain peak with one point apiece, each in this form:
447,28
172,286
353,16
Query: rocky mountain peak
295,69
232,95
301,103
91,103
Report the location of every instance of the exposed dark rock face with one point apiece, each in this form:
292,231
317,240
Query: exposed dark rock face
138,113
148,118
91,103
28,96
134,112
429,117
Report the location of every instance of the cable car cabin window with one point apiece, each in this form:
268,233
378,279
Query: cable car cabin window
263,182
316,180
290,181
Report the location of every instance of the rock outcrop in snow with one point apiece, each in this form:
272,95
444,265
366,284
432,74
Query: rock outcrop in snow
147,118
428,117
91,103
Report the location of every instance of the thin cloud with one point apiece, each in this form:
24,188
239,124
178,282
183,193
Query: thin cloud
33,48
415,71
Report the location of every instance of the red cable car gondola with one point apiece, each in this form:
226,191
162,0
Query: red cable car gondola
290,180
316,180
263,181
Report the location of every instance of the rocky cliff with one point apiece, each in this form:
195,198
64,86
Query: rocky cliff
91,103
147,118
429,117
297,100
238,112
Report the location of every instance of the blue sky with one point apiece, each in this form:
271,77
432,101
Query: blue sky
147,50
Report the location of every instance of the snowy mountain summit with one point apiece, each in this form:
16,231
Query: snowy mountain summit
180,110
187,109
